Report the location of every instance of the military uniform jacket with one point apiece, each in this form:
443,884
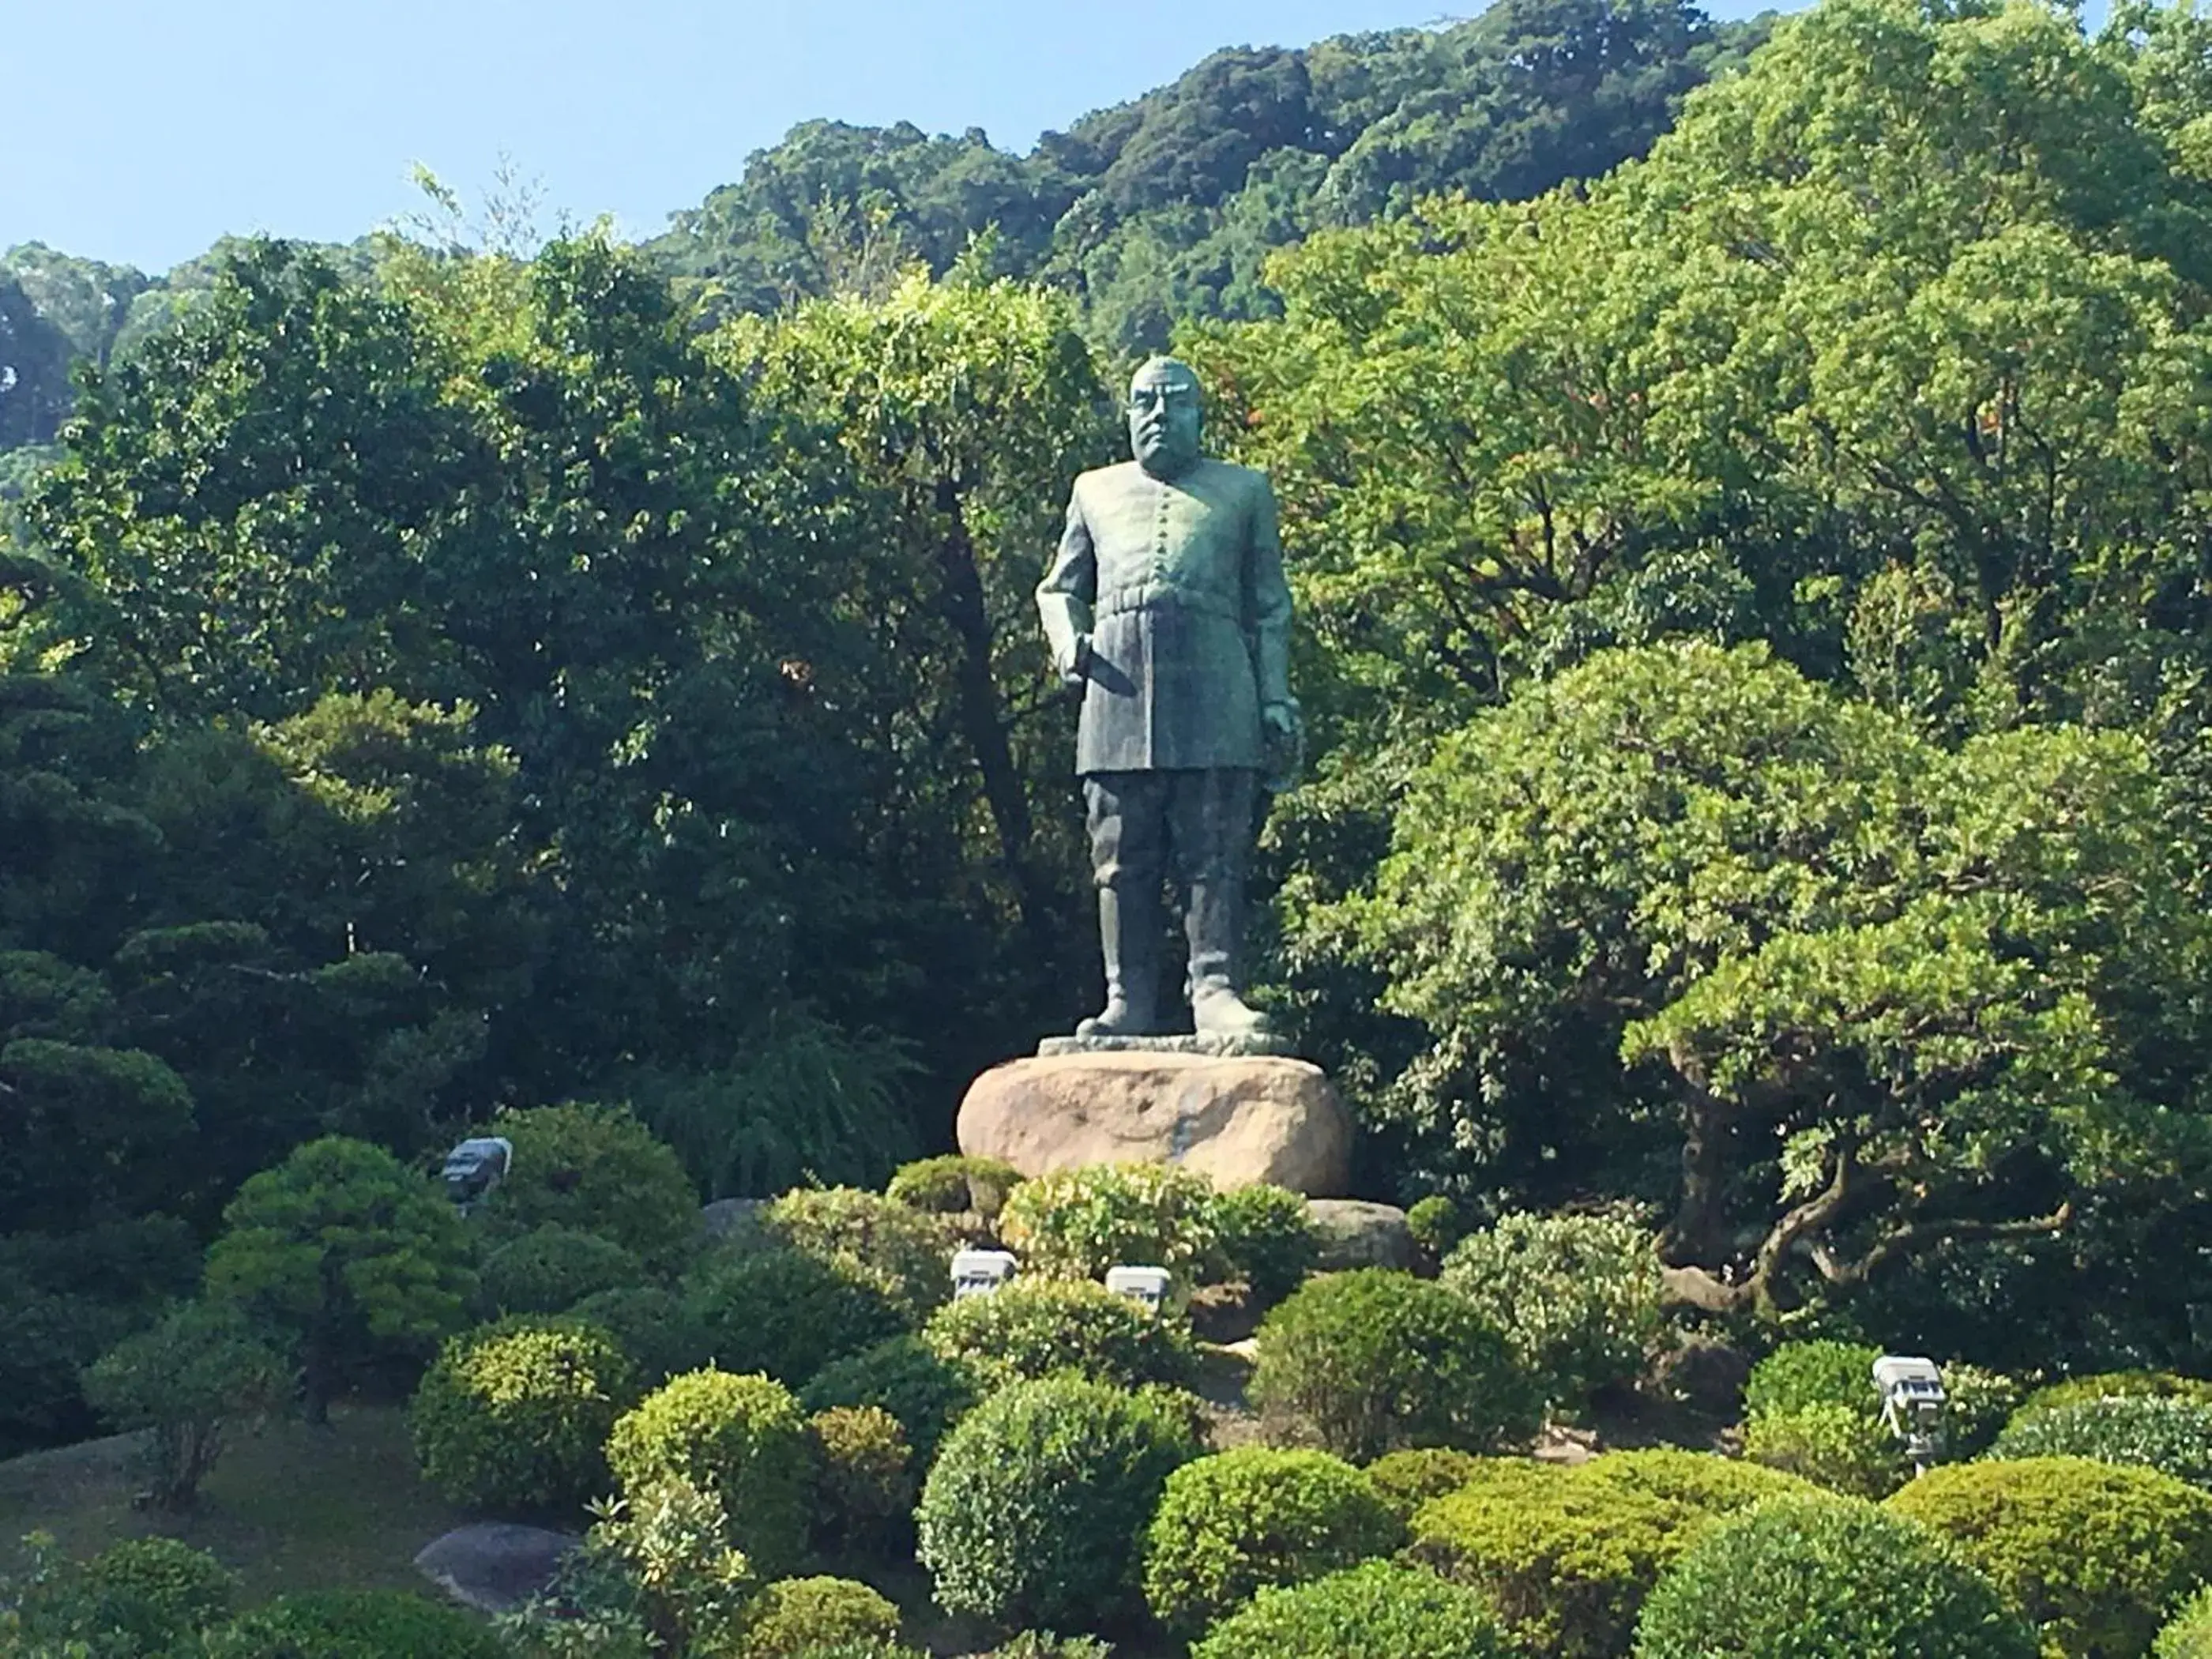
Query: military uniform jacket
1179,585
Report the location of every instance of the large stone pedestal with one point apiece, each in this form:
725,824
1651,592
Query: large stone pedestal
1240,1121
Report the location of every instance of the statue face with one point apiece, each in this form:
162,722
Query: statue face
1164,417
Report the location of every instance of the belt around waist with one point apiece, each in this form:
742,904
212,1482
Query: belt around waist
1147,595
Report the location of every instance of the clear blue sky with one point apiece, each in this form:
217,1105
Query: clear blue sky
139,132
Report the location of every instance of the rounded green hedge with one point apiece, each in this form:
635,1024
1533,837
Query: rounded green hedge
1076,1224
1033,1327
549,1269
742,1437
356,1625
1578,1297
784,1312
1368,1361
864,1475
901,1254
1823,1372
795,1617
1407,1479
151,1596
1826,1577
653,1326
512,1417
598,1170
2094,1554
906,1377
2114,1385
2169,1433
1033,1512
2188,1634
1377,1608
1266,1238
1228,1524
954,1184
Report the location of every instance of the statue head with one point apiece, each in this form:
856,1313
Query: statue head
1163,417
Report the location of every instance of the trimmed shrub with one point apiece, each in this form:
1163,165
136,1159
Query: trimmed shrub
1818,1373
1838,1447
864,1475
954,1184
926,1393
1374,1608
783,1312
793,1617
1368,1361
597,1169
2188,1634
1704,1482
375,1624
1034,1327
1818,1575
1076,1224
1434,1224
741,1437
1230,1523
653,1326
902,1255
139,1595
1977,1404
2169,1433
2094,1554
187,1381
549,1269
1577,1296
2115,1385
512,1417
1268,1239
1407,1479
1043,1644
1033,1513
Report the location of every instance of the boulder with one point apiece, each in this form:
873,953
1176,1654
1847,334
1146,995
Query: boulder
1242,1119
495,1566
735,1223
1355,1233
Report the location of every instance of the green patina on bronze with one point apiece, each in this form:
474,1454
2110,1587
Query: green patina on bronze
1167,610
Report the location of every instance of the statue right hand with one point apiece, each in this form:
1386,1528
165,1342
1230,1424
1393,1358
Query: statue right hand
1077,669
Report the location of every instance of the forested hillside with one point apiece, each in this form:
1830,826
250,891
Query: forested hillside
1755,631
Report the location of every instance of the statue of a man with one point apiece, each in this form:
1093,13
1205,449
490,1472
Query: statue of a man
1167,607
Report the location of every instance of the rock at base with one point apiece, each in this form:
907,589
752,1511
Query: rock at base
1240,1121
1355,1233
495,1566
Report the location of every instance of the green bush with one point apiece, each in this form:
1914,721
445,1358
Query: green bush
1268,1239
1826,1578
741,1437
1578,1297
1034,1326
186,1383
2094,1554
375,1624
2166,1432
1376,1608
2115,1385
1043,1644
2188,1634
864,1476
549,1269
927,1395
954,1184
142,1596
1407,1479
1033,1512
1564,1559
653,1326
1228,1524
783,1312
1818,1373
1371,1360
902,1255
512,1417
1977,1404
793,1617
1076,1224
182,1587
598,1170
1704,1482
1838,1447
1434,1224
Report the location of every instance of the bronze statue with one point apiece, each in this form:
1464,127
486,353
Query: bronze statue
1166,606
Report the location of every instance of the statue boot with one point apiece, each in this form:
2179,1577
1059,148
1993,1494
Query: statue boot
1129,920
1214,922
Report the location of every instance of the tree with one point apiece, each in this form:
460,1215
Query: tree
350,1253
185,1382
1869,991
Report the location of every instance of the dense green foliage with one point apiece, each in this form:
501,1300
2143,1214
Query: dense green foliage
953,1182
1231,1524
513,1419
1371,1360
1810,1408
906,1377
185,1382
1266,1239
550,1268
2093,1554
793,1617
782,1311
1374,1608
742,1439
1826,1576
1076,1224
901,1254
2173,1436
1034,1511
353,1625
1034,1327
2188,1634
